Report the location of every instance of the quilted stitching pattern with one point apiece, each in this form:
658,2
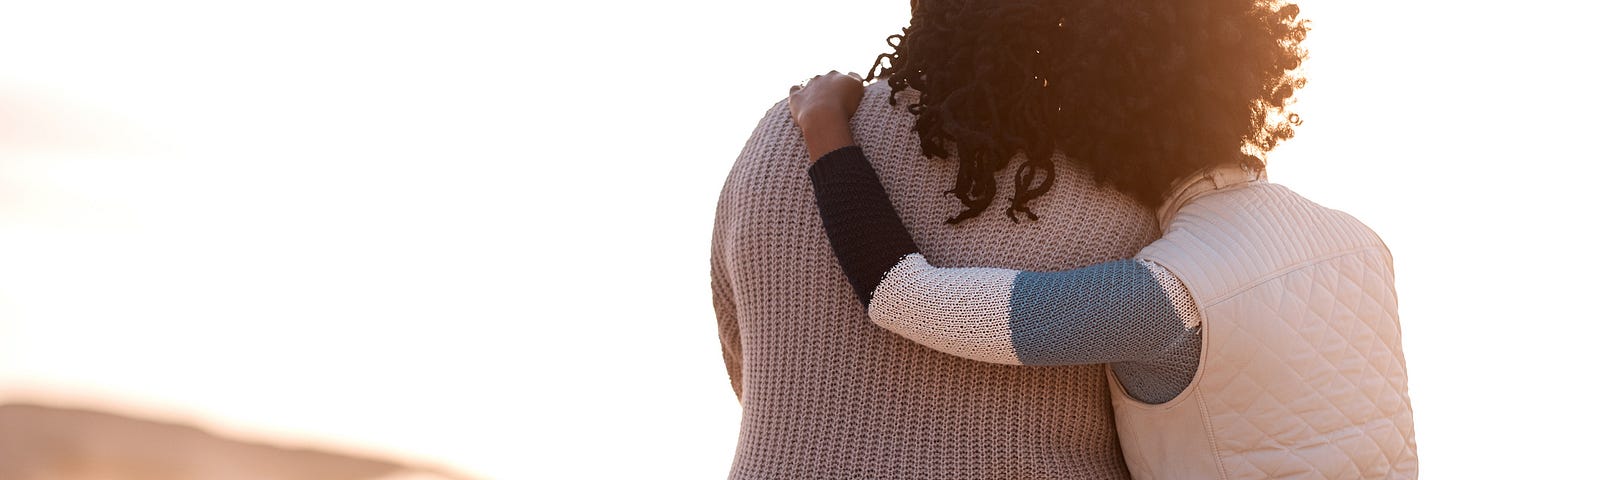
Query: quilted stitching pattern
1346,413
1303,376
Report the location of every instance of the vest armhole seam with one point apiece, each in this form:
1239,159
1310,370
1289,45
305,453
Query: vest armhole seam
1192,388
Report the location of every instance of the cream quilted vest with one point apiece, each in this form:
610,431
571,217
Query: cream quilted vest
1301,374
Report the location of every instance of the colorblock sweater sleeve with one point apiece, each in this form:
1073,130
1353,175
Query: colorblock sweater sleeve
866,233
1132,314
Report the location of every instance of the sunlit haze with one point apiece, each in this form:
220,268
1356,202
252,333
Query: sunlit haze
476,234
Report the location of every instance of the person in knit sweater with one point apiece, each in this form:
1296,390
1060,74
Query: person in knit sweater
1308,379
1023,102
825,394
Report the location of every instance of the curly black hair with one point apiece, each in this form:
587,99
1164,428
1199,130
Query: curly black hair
1141,92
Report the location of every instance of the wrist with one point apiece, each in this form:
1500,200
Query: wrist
821,118
822,141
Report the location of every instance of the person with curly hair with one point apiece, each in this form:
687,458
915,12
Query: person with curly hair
1142,93
1257,338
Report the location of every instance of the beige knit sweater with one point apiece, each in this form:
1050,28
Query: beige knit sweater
826,394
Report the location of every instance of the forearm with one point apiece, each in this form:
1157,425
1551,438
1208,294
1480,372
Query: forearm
959,311
1112,312
1107,313
866,233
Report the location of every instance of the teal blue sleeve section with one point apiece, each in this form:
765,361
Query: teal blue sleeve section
1107,313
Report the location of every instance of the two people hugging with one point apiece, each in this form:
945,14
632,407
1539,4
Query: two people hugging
1142,304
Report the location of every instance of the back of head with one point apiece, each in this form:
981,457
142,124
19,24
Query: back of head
1141,92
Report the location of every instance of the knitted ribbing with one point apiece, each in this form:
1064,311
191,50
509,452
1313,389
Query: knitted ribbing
827,394
1132,314
866,234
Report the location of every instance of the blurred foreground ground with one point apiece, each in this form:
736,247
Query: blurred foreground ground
49,443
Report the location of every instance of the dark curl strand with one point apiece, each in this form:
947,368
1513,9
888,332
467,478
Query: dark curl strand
1141,92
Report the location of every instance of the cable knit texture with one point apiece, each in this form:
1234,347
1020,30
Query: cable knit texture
828,395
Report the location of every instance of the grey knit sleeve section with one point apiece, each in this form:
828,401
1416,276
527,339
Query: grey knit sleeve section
1129,313
1162,377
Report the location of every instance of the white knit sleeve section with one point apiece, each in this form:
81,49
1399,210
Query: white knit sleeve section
960,311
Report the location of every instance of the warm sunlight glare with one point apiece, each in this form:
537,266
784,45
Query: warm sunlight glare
475,234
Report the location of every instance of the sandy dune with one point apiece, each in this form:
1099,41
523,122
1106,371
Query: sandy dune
47,443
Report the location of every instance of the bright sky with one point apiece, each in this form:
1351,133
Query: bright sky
476,233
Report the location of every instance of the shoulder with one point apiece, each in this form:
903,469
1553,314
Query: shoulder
879,123
775,144
768,180
1235,237
775,133
769,177
777,138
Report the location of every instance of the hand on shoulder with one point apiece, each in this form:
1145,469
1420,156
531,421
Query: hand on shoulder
822,109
